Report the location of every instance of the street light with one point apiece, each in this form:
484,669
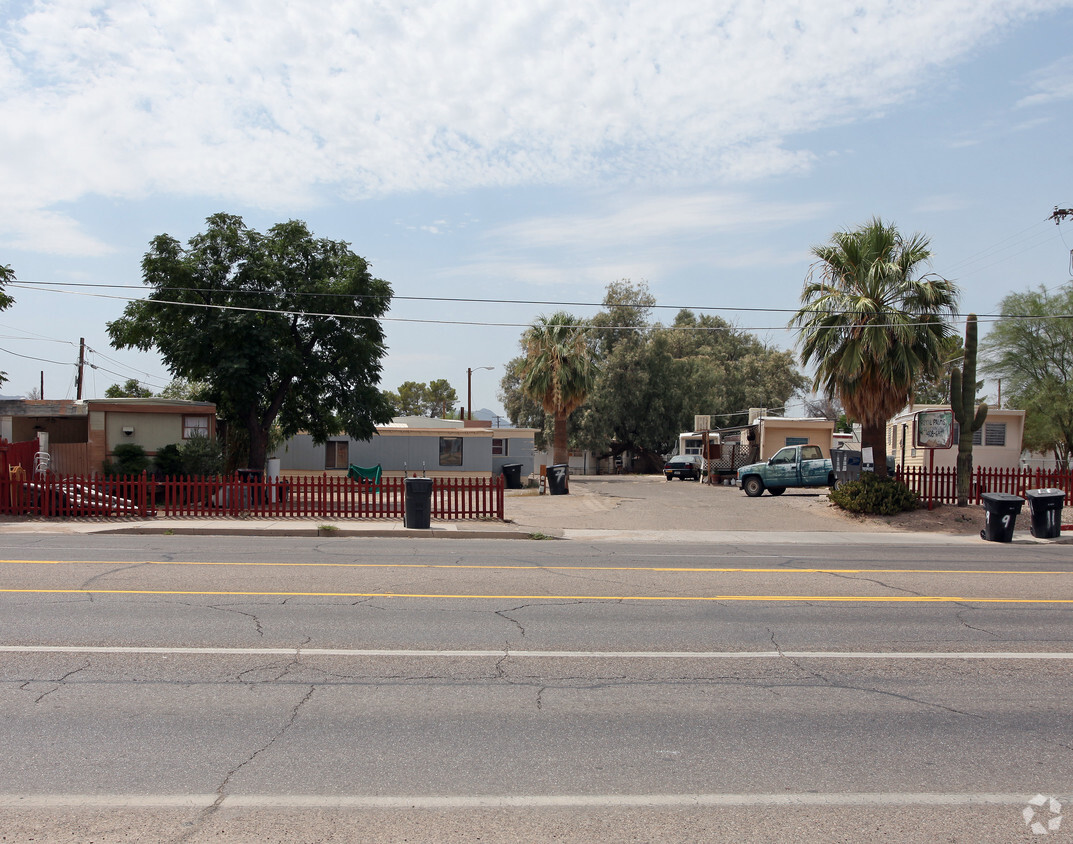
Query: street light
469,388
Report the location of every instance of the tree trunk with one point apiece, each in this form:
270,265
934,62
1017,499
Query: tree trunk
258,446
875,435
559,453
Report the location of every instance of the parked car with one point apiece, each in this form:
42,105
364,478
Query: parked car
682,466
795,465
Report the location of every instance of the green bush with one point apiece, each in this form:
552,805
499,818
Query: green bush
127,459
875,496
201,456
169,460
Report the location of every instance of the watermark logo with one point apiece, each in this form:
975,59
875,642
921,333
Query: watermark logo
1043,815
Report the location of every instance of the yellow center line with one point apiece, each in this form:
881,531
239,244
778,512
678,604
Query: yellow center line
899,599
504,567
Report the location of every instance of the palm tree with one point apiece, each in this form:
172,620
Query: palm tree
557,372
872,324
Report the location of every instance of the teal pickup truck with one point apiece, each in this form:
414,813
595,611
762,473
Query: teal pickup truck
795,465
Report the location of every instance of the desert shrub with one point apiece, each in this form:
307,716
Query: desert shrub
169,460
875,496
201,456
127,459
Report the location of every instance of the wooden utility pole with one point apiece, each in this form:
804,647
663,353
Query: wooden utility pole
81,365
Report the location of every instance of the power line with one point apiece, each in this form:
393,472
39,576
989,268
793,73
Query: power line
587,326
44,285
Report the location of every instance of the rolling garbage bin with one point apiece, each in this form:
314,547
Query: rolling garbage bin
512,475
418,512
1045,505
1000,514
557,479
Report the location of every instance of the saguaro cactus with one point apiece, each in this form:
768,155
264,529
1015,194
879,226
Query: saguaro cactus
963,401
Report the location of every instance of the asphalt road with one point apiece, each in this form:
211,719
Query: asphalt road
204,689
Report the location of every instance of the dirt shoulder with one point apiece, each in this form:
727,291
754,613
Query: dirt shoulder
647,502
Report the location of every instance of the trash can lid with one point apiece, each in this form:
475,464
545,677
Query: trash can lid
1001,498
1045,493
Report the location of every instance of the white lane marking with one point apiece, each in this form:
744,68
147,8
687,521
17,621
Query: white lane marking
520,654
475,801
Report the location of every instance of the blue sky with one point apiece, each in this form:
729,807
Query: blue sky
533,151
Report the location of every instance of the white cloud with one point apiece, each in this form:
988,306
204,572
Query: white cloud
655,219
275,103
1053,83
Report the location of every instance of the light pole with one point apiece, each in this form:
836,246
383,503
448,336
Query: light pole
469,388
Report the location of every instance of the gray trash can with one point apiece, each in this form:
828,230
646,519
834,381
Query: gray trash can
846,464
418,512
1045,505
558,483
1000,515
512,475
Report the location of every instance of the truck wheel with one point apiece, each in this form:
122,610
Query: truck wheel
832,481
753,486
776,490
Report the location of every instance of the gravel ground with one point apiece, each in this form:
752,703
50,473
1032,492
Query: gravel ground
649,502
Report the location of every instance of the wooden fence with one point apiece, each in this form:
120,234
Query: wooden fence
333,497
940,485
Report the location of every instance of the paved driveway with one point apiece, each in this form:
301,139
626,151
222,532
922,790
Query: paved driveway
649,503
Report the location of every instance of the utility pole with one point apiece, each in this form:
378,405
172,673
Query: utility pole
81,364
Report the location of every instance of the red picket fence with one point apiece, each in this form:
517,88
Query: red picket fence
324,496
940,485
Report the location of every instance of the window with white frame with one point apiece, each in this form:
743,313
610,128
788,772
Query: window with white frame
694,446
499,446
995,433
195,426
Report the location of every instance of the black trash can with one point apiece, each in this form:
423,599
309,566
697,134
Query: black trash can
1000,514
418,513
251,476
512,475
1045,505
557,479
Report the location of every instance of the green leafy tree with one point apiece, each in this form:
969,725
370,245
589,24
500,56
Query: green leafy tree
934,387
1031,349
440,398
181,388
281,327
871,323
411,399
558,372
7,275
131,389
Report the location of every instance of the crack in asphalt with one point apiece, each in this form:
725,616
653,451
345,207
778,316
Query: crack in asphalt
973,627
58,683
869,690
222,789
225,608
875,581
503,614
86,584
